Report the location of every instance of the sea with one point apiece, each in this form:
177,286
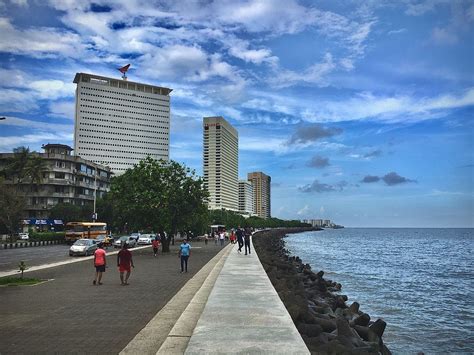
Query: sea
419,280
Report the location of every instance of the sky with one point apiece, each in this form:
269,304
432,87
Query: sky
360,111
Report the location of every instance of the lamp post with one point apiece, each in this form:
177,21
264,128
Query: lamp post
94,214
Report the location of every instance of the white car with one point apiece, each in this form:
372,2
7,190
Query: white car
24,236
146,239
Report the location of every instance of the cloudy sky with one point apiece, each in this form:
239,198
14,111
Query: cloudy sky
360,111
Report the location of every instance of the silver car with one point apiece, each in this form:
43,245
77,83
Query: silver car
131,241
83,247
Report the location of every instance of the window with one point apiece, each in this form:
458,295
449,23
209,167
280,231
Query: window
60,164
60,175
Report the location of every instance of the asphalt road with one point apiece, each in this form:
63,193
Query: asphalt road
9,258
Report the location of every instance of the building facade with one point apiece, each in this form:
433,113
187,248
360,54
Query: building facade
246,198
221,163
65,179
261,193
118,123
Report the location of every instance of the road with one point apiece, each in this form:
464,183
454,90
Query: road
9,258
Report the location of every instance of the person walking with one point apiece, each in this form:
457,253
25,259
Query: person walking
183,254
155,244
100,264
240,238
247,234
124,263
222,237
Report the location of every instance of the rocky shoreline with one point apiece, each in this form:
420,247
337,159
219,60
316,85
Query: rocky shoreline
326,323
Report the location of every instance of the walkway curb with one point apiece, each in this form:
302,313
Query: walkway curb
181,312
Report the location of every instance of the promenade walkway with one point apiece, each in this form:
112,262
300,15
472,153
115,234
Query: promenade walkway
228,306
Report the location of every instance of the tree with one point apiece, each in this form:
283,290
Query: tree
34,169
162,194
11,208
17,165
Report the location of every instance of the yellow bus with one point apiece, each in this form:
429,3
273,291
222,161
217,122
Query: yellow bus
82,230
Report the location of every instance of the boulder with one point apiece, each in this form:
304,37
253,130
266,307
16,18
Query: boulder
354,307
378,327
310,330
362,320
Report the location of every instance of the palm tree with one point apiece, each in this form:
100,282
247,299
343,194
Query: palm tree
34,169
17,164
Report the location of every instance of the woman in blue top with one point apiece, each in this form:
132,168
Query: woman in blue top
184,253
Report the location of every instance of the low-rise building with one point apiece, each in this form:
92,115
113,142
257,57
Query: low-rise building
65,179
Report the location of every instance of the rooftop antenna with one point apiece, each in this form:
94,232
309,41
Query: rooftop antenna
123,70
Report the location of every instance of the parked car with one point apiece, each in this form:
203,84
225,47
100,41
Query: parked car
24,236
146,239
83,247
136,236
131,241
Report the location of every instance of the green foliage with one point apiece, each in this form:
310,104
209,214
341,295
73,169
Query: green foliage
46,236
12,205
233,220
22,266
159,196
15,281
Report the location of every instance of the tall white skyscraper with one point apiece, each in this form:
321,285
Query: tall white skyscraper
246,198
221,163
261,193
119,122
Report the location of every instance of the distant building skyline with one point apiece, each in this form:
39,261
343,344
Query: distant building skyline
119,122
221,163
261,184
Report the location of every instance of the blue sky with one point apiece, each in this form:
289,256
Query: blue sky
361,112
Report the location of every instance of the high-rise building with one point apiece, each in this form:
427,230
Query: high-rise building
221,163
246,198
118,122
261,193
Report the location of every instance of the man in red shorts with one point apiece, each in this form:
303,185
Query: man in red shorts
124,262
100,264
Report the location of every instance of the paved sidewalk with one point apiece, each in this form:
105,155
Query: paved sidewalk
244,314
70,315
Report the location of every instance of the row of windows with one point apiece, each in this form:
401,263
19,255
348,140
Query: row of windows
122,157
123,151
121,145
120,134
121,122
122,99
122,93
126,128
118,139
128,106
124,111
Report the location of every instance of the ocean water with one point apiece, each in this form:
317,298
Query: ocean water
420,281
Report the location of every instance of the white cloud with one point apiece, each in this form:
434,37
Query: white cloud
39,42
34,141
305,211
315,74
62,109
444,36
